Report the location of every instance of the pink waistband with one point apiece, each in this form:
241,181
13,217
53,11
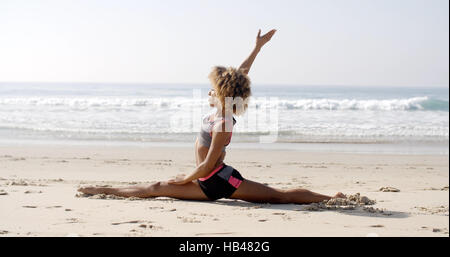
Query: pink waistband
212,173
234,181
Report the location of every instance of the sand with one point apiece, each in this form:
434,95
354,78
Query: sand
38,194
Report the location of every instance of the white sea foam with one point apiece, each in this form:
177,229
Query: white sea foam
121,113
414,103
353,104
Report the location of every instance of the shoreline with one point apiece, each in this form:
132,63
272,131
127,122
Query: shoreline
39,182
402,148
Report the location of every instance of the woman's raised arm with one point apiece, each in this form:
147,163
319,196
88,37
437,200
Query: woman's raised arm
260,42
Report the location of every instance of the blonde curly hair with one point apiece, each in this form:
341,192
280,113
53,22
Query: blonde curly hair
231,82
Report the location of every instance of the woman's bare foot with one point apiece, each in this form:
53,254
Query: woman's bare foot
339,195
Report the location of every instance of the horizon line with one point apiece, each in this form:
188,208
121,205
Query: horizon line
193,83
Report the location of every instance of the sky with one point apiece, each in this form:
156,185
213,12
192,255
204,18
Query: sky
320,42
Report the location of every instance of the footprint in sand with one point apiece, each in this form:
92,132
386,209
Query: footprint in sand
56,180
24,182
145,224
73,220
53,207
29,206
189,220
32,192
436,230
440,230
18,183
126,222
201,214
443,210
149,226
389,189
3,192
156,207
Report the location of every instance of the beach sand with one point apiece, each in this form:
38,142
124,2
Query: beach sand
38,188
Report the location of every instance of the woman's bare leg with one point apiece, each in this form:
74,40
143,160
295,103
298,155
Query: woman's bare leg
251,191
189,191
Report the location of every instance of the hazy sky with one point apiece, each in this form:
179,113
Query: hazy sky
327,42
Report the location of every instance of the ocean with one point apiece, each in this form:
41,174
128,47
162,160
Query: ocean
396,119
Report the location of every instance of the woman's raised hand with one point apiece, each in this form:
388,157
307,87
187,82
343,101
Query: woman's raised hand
262,40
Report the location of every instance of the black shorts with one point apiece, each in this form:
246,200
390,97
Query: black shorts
221,182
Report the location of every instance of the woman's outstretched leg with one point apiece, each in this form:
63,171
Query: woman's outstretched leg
256,192
189,191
